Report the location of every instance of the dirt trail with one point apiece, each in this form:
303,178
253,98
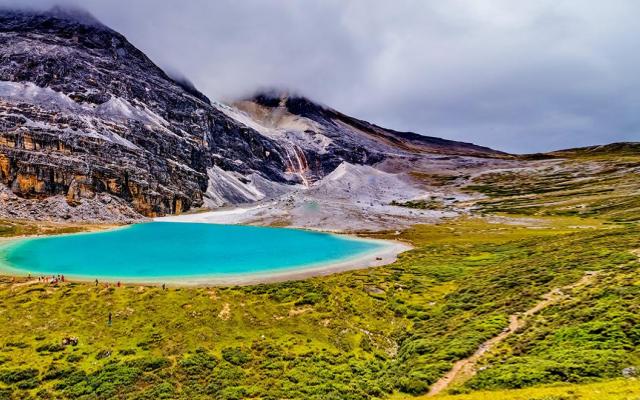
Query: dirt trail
466,368
225,313
26,283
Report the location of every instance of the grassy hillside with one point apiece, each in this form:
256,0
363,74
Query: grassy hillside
594,182
594,332
387,332
363,334
619,389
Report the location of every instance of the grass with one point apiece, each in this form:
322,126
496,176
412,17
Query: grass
425,204
595,332
586,184
386,332
619,389
363,334
13,228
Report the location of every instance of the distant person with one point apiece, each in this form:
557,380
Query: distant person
109,319
62,278
96,283
163,287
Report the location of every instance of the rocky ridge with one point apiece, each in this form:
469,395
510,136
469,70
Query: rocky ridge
89,123
83,112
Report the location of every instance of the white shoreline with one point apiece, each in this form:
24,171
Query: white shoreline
222,216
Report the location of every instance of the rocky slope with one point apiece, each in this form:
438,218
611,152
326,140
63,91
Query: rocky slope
91,129
318,138
84,112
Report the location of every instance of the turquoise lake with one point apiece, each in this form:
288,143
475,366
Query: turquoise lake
172,250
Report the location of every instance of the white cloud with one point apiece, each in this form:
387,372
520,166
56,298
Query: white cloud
518,76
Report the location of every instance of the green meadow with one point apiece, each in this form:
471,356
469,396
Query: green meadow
385,332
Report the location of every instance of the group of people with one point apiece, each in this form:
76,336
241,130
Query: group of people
107,284
53,279
119,284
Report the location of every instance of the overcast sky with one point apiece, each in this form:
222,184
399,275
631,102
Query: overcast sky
517,76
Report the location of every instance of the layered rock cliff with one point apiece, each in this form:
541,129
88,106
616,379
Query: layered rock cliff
84,112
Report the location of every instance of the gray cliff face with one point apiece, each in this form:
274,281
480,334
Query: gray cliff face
91,129
84,112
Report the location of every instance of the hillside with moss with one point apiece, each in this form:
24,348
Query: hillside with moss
384,332
602,181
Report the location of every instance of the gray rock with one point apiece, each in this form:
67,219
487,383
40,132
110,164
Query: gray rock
84,112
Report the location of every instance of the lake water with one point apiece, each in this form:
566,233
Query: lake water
156,250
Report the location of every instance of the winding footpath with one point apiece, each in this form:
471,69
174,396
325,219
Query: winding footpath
25,283
466,368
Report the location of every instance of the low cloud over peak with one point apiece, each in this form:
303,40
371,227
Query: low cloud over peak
524,77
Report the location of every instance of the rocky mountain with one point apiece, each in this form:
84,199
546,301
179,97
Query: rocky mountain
332,137
91,129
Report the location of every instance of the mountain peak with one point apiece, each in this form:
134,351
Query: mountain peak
286,110
73,14
294,102
77,30
57,17
274,97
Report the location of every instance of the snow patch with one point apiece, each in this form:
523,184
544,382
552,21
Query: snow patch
365,184
119,108
225,187
283,127
33,94
115,109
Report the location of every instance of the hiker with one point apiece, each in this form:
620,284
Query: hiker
118,283
163,287
62,278
109,318
96,283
